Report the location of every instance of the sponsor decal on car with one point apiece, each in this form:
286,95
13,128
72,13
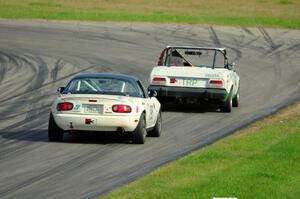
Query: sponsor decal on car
212,75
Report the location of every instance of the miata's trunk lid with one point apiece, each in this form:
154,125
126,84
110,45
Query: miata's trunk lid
94,104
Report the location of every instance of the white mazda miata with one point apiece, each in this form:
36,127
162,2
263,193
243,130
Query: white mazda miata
105,102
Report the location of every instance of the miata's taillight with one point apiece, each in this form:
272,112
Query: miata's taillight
64,106
216,83
158,79
173,80
120,108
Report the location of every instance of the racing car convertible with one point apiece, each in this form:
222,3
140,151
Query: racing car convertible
105,102
187,74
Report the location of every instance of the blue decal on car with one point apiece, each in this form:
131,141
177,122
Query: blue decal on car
76,107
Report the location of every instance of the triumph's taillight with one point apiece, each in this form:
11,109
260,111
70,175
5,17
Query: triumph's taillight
216,83
159,79
120,108
64,106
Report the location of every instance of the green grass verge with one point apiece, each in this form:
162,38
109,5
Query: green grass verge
262,161
267,13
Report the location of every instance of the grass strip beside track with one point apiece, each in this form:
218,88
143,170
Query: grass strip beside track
270,13
261,161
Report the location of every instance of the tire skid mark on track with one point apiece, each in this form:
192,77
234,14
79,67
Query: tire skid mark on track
248,31
40,73
295,47
235,48
33,140
108,36
13,115
283,50
12,137
214,37
178,36
46,84
25,62
238,53
275,54
3,67
41,76
2,72
58,66
69,165
130,28
160,40
7,57
78,34
269,40
249,42
189,37
17,65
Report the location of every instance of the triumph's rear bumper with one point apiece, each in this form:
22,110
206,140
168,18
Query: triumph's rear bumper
184,92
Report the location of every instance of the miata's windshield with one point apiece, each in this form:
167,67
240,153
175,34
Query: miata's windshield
107,86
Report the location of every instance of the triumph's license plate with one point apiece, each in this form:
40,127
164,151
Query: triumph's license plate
188,82
97,109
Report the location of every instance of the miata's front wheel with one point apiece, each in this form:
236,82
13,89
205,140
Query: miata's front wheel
55,134
139,134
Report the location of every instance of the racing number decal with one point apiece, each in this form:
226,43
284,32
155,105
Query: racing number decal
76,107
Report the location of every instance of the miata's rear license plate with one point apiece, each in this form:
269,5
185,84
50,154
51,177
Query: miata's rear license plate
91,108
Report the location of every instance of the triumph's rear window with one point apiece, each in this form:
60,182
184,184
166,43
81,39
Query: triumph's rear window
106,86
195,57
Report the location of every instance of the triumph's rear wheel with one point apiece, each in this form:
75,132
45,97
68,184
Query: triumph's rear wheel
235,100
227,105
156,132
139,134
55,134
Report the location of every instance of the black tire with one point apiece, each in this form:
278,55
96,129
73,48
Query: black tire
156,132
236,99
227,105
163,103
161,100
139,134
55,134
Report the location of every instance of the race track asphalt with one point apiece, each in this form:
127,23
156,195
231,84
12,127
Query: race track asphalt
36,57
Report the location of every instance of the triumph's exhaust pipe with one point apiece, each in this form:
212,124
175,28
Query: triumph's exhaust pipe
120,130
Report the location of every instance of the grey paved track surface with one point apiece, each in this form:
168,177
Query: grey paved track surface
38,57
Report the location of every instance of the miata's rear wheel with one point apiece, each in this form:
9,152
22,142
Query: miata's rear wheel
55,134
156,132
139,134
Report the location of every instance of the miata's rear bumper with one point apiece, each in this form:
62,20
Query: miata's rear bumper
95,122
